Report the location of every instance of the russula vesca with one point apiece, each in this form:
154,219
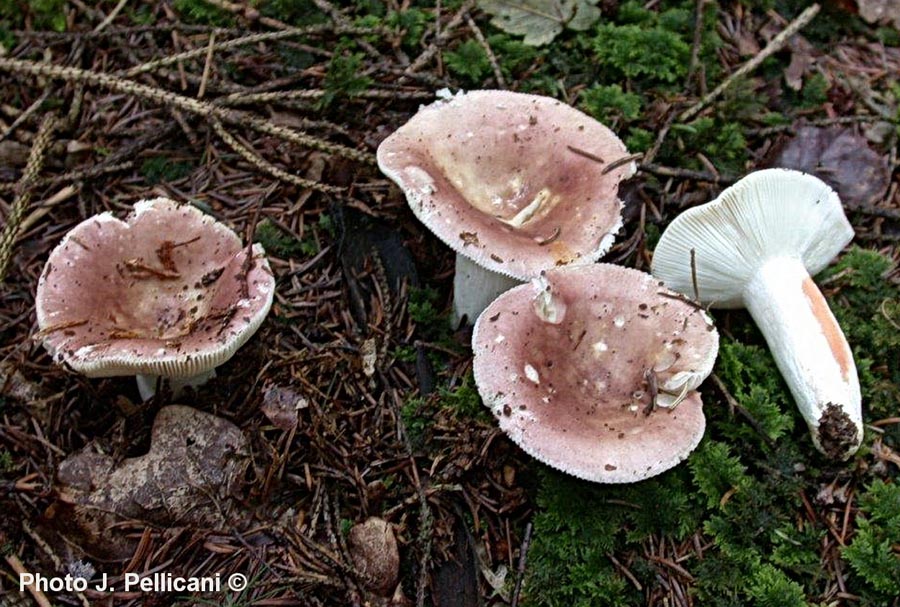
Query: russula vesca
755,246
593,370
514,183
168,292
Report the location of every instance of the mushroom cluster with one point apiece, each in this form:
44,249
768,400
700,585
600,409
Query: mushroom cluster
755,246
169,292
514,183
594,370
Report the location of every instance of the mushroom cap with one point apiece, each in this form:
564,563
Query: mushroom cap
768,213
570,386
493,175
165,292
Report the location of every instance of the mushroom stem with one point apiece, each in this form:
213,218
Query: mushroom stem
147,383
811,351
474,288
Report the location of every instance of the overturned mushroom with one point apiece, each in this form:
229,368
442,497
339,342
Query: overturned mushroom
168,292
755,246
594,370
514,183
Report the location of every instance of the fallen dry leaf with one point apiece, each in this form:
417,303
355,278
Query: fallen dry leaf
885,12
373,549
842,159
194,464
281,406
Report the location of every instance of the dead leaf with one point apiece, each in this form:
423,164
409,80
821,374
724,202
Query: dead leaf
195,463
281,406
540,21
885,12
842,159
373,549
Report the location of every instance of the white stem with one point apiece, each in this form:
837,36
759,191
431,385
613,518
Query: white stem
811,352
474,288
147,383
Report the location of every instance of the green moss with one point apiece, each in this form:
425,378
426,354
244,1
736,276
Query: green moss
44,14
770,587
204,13
464,400
7,464
654,54
468,61
411,22
160,169
868,309
871,554
750,373
609,103
344,78
295,12
282,244
640,140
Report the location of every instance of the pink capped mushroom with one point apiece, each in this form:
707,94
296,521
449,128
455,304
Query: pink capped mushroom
169,292
514,183
593,370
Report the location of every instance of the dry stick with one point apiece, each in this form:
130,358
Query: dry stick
664,171
111,16
24,190
267,167
694,274
95,171
341,21
276,96
520,570
698,39
498,75
245,41
39,597
201,108
776,44
433,48
25,115
207,65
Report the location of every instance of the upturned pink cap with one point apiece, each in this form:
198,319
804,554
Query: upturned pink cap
566,366
169,291
514,182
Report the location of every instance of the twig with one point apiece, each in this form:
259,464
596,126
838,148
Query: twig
39,597
664,171
520,570
24,190
267,167
492,59
776,44
440,37
25,115
736,406
207,65
194,106
111,16
342,22
698,39
245,41
694,274
619,162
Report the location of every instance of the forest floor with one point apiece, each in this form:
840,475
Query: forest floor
355,399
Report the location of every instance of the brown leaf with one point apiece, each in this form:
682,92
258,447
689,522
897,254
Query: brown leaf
885,12
842,159
281,405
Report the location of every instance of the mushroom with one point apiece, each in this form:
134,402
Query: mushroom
168,292
755,246
513,183
593,370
